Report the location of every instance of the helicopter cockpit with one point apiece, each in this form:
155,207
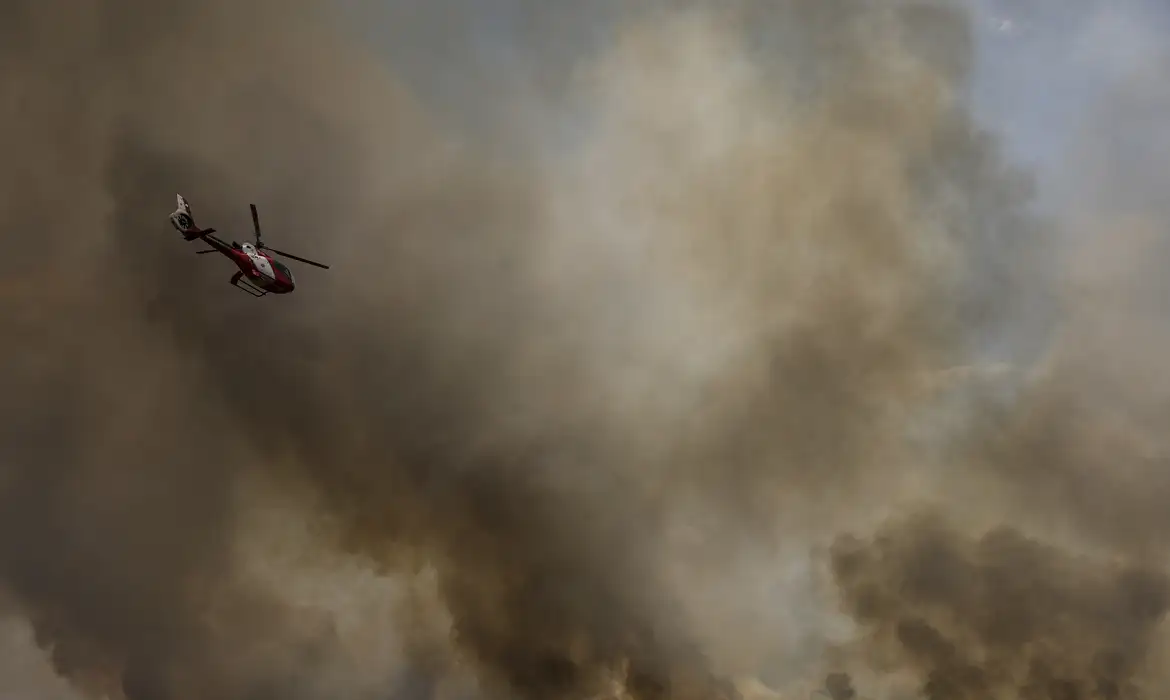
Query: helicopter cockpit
282,268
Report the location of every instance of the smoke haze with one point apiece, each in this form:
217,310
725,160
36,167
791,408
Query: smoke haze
656,371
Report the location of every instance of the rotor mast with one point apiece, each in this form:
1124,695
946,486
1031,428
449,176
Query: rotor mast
260,243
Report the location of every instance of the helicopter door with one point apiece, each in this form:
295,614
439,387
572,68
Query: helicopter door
263,265
259,261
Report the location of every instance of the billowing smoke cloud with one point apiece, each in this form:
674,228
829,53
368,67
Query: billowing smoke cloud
1000,616
543,402
1086,441
972,608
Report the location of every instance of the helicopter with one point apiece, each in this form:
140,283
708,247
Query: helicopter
260,273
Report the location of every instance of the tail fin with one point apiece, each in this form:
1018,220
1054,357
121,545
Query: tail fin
184,222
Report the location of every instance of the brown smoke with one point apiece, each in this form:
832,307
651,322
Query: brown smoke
140,396
958,606
1077,454
472,458
1001,615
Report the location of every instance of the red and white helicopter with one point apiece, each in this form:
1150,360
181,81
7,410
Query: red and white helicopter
260,273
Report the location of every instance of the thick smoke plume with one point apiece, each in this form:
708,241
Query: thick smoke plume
1001,615
547,421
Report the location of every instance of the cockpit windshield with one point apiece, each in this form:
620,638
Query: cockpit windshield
279,267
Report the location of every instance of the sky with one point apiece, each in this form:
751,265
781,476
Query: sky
1040,73
1044,74
1041,65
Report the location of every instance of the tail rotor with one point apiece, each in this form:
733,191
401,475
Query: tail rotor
184,221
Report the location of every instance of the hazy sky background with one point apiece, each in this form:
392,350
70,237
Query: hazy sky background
1045,75
1041,64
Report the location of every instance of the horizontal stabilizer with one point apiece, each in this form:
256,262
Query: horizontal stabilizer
192,234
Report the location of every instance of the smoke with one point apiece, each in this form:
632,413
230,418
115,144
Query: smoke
1083,445
560,414
1001,615
1046,576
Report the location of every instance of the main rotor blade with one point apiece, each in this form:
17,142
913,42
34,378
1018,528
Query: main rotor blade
255,221
294,257
209,250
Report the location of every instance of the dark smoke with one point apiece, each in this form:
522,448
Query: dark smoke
529,368
1001,615
141,391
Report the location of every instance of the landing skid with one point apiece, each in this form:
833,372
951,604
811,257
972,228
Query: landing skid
239,282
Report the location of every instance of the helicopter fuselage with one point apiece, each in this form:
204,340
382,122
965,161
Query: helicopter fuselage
257,269
263,271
